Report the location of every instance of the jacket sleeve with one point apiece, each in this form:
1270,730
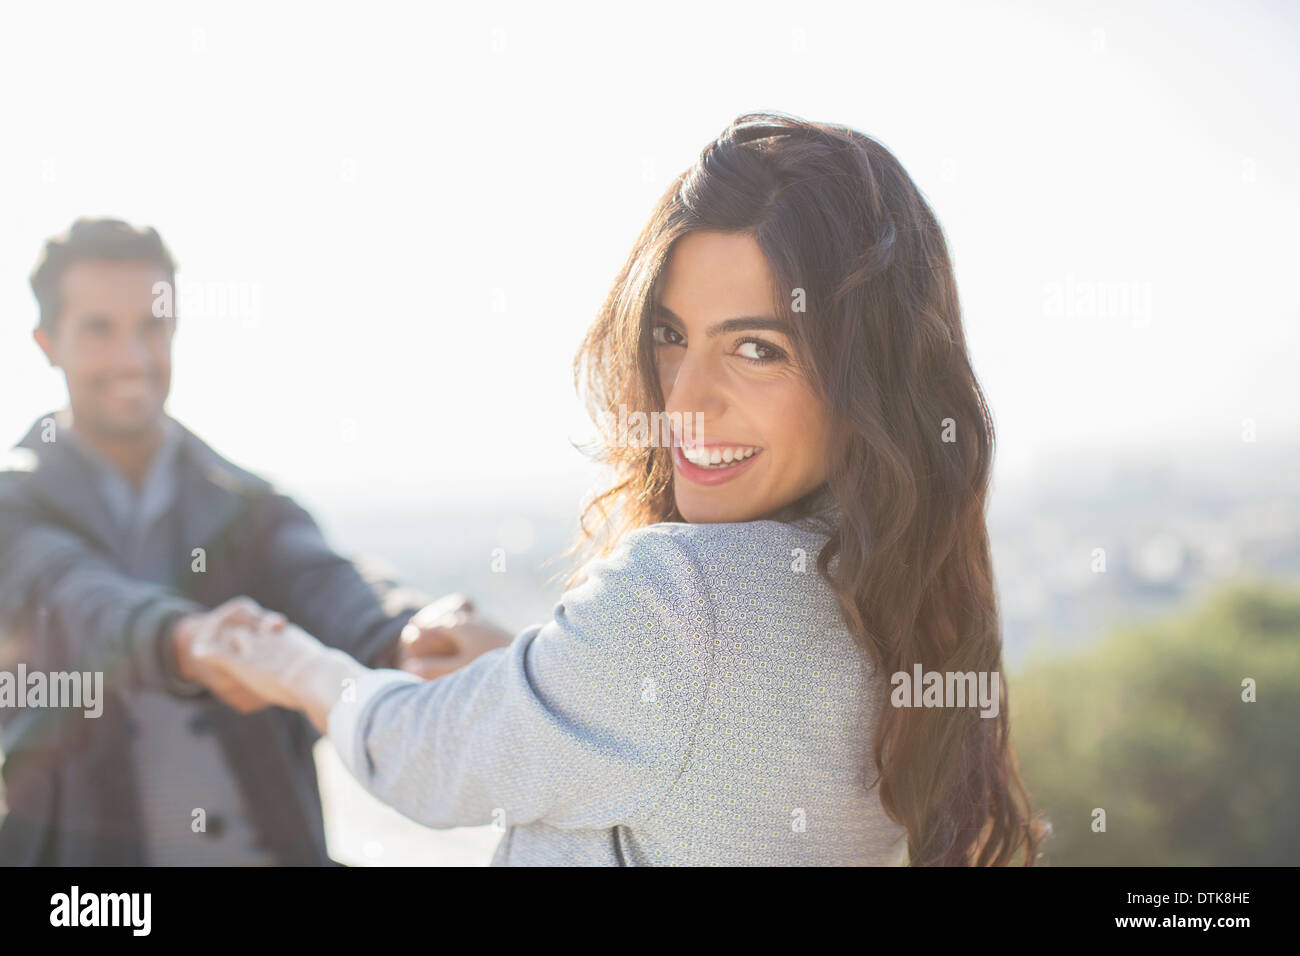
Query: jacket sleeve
91,616
322,592
582,722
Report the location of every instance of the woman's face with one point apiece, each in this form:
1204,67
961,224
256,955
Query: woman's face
726,362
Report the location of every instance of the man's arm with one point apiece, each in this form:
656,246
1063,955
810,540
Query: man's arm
102,620
96,618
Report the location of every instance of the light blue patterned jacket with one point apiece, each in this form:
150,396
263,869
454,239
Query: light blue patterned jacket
696,700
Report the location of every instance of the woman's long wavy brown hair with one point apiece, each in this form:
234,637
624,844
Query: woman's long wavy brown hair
881,342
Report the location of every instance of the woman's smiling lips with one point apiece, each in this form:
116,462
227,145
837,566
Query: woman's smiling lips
714,463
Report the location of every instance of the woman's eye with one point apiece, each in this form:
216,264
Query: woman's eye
756,350
667,335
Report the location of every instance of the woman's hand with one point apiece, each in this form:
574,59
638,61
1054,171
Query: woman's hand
266,662
237,612
278,663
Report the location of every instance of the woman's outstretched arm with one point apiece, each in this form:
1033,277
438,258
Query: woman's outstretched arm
582,722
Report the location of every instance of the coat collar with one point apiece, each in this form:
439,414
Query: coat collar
210,490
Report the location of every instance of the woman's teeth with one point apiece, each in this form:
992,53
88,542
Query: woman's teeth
719,457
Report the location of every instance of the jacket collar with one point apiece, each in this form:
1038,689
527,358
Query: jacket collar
817,511
65,482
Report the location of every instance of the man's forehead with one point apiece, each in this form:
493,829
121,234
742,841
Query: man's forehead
107,284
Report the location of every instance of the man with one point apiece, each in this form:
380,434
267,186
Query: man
122,536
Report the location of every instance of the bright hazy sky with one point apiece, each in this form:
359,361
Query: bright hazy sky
411,212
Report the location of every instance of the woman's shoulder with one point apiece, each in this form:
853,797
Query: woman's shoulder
776,557
790,534
737,540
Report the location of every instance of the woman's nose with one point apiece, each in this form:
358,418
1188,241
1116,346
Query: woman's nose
695,390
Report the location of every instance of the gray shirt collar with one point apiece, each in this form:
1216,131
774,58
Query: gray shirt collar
133,512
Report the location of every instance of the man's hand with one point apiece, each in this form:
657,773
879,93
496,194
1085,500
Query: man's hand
445,636
240,612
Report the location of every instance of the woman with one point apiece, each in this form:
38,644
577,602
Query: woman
715,688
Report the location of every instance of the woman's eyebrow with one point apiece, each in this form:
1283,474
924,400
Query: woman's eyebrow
738,324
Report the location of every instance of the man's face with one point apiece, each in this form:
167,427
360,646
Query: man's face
114,352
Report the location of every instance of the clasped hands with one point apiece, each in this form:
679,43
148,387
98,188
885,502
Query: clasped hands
251,658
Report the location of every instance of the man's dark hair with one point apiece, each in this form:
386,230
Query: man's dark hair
98,240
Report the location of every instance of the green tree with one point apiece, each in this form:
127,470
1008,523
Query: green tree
1149,724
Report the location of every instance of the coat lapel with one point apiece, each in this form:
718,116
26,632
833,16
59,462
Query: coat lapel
208,501
65,485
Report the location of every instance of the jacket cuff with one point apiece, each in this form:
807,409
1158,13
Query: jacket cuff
152,653
379,650
345,721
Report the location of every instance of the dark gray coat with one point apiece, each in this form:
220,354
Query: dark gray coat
65,605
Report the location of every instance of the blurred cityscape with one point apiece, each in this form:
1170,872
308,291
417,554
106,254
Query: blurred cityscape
1170,524
1095,538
